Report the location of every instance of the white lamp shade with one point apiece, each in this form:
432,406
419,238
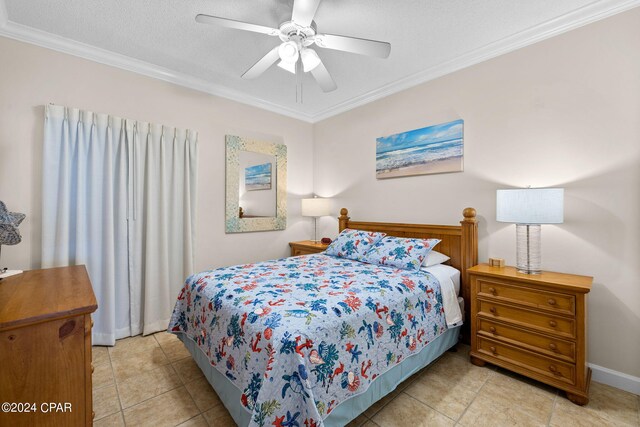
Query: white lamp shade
310,59
288,52
289,66
530,205
316,207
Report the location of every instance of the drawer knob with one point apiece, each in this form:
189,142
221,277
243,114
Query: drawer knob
552,346
552,323
551,301
492,290
554,370
492,329
493,349
493,310
92,368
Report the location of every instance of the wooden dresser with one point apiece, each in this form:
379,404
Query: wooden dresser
306,247
45,347
535,325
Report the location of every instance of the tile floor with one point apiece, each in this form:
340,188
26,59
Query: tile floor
153,381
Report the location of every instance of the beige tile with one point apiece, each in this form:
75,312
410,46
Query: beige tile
187,370
451,398
105,401
373,409
218,416
358,421
168,409
607,404
203,394
127,347
485,412
370,424
406,383
538,387
576,416
113,420
461,350
102,375
137,363
531,399
99,355
147,385
457,370
198,421
404,410
175,350
165,337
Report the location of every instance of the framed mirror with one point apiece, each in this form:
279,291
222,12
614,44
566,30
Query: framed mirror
256,185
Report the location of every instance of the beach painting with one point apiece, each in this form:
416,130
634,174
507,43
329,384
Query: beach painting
257,177
434,149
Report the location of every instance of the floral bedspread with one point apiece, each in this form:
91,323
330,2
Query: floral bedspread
300,335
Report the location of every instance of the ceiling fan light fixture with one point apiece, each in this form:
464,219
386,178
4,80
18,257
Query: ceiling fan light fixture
310,59
289,66
288,52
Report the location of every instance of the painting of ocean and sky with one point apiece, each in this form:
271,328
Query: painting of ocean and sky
258,177
434,149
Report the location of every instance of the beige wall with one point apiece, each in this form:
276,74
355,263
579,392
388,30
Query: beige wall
31,77
564,112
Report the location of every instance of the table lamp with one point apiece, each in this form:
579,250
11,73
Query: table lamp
528,208
316,208
9,234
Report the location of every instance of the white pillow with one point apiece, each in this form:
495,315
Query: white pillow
434,258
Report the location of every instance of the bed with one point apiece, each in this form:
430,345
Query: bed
315,340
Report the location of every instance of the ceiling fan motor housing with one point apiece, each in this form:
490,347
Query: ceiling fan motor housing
303,36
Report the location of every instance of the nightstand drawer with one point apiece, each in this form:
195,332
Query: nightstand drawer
534,298
530,319
542,365
307,247
302,251
550,346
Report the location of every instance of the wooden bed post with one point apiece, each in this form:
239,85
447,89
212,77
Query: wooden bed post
343,219
469,259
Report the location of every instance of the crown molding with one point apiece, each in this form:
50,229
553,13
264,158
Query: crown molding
590,13
61,44
572,20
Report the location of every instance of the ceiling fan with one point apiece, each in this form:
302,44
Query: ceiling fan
297,36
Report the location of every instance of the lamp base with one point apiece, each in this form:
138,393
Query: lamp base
528,258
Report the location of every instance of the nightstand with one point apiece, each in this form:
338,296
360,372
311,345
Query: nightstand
532,324
306,247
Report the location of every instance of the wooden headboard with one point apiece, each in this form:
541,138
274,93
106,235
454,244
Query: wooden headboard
459,242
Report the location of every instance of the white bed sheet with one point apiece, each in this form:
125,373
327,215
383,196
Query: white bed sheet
449,279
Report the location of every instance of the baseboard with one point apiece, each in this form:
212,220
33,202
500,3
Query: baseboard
615,379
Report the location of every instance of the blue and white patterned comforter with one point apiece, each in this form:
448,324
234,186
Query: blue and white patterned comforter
301,335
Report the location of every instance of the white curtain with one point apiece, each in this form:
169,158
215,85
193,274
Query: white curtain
119,197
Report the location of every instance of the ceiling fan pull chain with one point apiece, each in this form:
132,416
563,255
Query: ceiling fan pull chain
299,82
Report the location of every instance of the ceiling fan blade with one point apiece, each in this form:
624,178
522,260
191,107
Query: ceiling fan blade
304,11
354,45
323,78
238,25
263,64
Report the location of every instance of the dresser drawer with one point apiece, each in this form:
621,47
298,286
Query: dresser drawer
535,298
535,362
550,346
542,322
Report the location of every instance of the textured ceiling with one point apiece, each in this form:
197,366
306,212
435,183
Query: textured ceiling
424,35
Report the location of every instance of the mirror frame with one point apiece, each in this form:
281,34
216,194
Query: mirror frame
235,224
